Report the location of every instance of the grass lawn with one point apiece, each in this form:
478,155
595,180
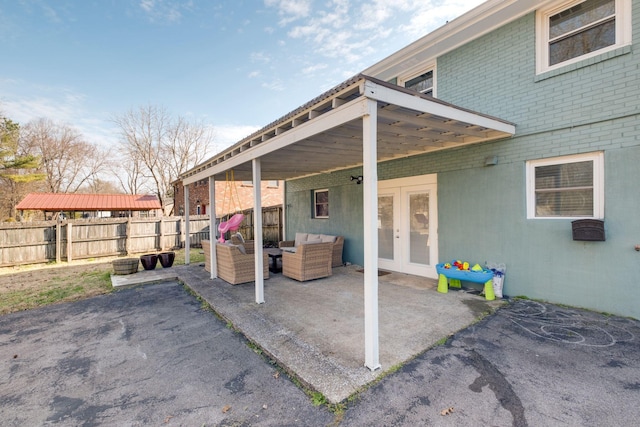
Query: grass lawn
27,287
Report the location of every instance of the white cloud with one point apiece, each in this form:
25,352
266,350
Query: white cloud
313,68
23,102
260,57
276,85
424,20
254,74
353,31
290,10
228,134
163,10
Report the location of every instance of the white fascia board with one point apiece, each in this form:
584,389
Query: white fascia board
385,94
470,26
343,114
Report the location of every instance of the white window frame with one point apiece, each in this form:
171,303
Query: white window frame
598,183
402,80
315,203
623,33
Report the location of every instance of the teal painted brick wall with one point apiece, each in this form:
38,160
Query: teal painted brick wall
590,106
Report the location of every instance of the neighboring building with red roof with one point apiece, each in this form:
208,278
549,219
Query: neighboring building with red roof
92,205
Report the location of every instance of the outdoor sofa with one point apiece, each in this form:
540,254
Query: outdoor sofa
309,261
336,247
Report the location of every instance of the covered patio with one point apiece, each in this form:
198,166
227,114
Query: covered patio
359,123
315,329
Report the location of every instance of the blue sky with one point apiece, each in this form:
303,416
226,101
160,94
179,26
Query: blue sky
236,65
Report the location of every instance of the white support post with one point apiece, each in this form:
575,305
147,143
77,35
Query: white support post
187,235
370,213
212,227
257,229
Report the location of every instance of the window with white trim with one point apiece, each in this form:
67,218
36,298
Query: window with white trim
566,187
321,203
423,82
580,29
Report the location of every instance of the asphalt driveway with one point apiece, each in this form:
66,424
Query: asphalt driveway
153,356
142,356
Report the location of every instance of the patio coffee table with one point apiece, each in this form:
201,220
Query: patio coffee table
274,254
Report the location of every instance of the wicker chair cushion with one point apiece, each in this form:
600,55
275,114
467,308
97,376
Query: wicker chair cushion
300,237
240,247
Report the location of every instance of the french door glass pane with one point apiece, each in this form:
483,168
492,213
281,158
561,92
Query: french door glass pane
385,227
419,228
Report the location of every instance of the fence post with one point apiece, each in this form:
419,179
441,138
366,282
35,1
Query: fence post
58,241
69,242
162,233
127,234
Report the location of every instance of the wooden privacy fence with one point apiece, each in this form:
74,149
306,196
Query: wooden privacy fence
271,225
45,241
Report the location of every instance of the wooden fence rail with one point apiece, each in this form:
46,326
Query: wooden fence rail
46,241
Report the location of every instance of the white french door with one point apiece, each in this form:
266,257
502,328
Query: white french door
408,225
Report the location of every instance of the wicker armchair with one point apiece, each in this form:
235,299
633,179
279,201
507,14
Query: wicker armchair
308,262
234,266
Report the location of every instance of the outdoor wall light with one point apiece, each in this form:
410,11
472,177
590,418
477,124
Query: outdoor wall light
357,179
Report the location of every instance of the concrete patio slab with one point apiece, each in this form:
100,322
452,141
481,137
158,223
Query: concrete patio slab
315,329
144,277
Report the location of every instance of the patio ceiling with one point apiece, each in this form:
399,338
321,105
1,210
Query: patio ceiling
326,134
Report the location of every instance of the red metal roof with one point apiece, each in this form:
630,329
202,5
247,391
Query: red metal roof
88,202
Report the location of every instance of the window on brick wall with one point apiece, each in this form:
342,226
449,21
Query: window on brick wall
321,203
566,187
422,82
571,31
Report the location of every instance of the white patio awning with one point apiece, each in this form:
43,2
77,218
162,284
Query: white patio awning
361,122
325,134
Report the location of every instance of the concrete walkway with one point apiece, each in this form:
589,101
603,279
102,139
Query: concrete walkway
315,329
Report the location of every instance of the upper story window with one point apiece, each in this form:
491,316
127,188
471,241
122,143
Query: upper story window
566,187
580,29
321,203
422,83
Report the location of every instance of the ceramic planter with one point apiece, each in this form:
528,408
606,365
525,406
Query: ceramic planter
166,259
149,261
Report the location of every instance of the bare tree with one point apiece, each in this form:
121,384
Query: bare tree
129,172
100,186
158,148
67,160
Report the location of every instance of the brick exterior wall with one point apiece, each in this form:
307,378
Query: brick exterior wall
589,106
272,195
